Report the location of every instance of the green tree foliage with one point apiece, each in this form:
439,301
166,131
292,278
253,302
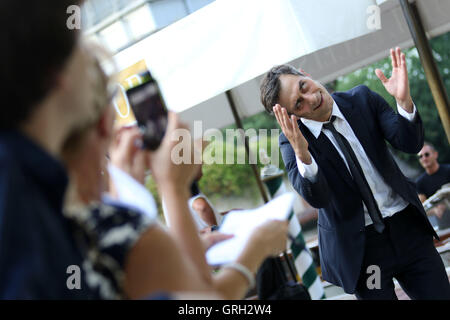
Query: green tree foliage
228,180
434,131
235,180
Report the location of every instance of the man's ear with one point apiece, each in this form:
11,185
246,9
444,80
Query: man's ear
304,72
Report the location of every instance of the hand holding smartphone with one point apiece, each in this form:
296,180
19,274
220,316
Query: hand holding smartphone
149,110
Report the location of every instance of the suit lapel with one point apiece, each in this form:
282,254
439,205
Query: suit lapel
323,146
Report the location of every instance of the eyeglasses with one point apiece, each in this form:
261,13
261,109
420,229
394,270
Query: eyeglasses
426,155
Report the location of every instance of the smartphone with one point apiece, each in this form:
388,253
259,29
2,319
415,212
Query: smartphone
149,109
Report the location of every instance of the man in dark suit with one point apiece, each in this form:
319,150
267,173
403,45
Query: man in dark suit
372,226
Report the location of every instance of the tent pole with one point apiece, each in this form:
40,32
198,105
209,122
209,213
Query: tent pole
434,79
238,121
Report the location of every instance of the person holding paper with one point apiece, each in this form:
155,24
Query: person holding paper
370,217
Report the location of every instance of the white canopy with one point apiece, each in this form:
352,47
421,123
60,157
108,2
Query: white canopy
229,44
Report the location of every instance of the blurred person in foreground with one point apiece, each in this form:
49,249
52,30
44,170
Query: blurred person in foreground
334,149
44,72
130,255
435,176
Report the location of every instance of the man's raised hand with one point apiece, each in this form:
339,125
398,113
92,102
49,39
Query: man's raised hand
292,132
398,85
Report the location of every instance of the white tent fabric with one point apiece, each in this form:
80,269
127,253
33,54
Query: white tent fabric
232,41
229,44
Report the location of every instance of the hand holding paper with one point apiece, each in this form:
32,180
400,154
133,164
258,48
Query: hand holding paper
243,223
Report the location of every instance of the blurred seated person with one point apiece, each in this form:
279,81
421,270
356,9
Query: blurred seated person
435,176
206,217
203,212
131,256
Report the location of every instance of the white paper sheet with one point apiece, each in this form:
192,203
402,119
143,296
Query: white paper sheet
133,194
241,223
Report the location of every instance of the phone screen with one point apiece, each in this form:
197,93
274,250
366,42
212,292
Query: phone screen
149,110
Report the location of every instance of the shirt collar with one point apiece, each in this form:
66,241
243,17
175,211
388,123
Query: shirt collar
316,126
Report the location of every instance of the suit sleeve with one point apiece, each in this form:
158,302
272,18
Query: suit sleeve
402,134
316,193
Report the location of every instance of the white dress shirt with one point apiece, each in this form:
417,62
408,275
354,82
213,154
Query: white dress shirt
388,201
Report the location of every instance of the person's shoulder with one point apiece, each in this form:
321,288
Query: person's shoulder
356,91
205,198
421,178
199,195
9,161
445,168
361,95
5,157
10,173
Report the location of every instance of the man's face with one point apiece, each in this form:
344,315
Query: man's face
305,98
427,157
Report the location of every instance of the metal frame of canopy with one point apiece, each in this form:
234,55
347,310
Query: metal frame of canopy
415,24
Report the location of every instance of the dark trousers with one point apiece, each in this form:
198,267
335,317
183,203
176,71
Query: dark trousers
404,251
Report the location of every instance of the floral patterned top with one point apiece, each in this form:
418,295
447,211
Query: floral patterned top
107,231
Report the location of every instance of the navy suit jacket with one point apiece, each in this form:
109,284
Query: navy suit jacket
341,217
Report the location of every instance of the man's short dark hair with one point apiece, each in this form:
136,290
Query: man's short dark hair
36,44
270,85
426,143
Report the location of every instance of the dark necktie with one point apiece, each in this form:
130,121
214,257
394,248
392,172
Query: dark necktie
358,176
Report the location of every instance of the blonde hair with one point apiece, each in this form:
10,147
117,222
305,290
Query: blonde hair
103,91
